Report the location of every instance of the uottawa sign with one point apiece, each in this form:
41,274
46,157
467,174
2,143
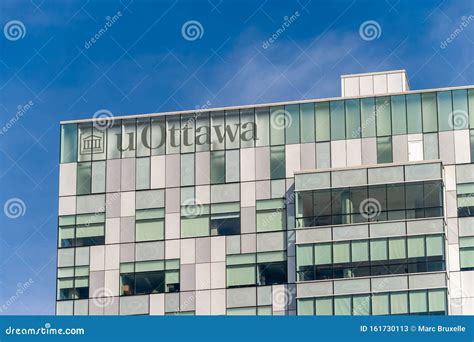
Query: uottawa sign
185,136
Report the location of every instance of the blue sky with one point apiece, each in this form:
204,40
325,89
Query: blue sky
142,63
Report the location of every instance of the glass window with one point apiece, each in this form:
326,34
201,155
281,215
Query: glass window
434,245
128,147
399,114
250,311
158,136
367,106
195,227
305,307
437,300
323,306
471,133
87,142
304,255
73,283
352,119
360,251
341,252
471,108
378,249
143,173
217,167
68,143
187,133
399,303
361,305
343,305
150,224
414,113
466,252
278,120
217,131
241,275
84,178
380,304
418,302
416,246
384,150
338,124
445,109
384,125
262,120
99,140
307,127
323,127
114,140
465,199
430,117
270,215
292,124
225,219
232,129
322,254
397,248
143,137
187,169
98,177
460,111
173,134
203,134
277,162
247,126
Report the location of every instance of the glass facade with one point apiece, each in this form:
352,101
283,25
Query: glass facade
239,211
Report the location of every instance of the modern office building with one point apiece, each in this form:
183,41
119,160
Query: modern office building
356,205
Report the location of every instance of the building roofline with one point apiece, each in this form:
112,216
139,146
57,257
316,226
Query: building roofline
218,109
376,73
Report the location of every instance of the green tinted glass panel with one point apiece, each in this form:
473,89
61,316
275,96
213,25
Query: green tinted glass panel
322,121
304,255
217,167
305,307
399,303
262,120
418,302
68,143
460,109
337,120
277,162
194,227
307,127
352,119
241,275
399,115
437,300
384,125
343,306
292,124
278,121
430,113
368,119
150,230
384,150
445,109
414,113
